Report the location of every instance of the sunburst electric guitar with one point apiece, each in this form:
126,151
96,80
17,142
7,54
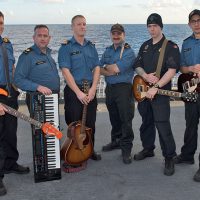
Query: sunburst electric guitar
140,88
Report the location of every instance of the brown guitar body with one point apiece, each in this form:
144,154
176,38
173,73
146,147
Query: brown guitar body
139,87
77,147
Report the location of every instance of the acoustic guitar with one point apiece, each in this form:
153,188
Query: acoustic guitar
47,128
140,88
78,146
188,83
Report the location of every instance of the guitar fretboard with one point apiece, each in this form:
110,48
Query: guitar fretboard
20,115
169,93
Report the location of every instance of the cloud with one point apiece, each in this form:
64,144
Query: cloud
197,3
161,4
124,6
53,1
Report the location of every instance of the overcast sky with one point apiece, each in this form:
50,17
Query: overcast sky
96,11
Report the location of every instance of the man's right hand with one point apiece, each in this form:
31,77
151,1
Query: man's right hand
83,98
151,78
196,68
44,90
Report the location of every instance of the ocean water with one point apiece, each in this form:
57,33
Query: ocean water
136,34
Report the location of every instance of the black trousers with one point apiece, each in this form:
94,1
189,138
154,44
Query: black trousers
120,104
192,114
8,135
74,110
147,129
156,113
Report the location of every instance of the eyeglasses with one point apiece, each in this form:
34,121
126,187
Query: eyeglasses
193,22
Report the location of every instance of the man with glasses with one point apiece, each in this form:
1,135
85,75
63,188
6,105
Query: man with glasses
116,62
155,110
190,64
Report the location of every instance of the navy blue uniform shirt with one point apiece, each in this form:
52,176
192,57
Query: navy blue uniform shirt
125,64
11,61
190,52
79,59
35,68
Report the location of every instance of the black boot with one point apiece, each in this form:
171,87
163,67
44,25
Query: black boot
111,146
169,167
144,154
3,190
126,156
197,176
180,159
95,156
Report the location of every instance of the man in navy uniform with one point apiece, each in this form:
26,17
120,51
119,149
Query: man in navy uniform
78,60
155,110
117,62
190,63
36,69
8,124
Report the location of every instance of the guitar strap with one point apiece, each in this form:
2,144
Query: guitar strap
5,62
160,59
121,52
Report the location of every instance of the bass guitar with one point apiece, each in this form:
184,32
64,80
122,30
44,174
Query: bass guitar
47,128
78,146
188,83
140,88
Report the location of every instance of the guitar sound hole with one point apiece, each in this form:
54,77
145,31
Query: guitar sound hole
86,141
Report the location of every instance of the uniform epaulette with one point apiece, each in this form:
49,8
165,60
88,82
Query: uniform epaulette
6,40
65,42
92,43
126,46
28,50
186,38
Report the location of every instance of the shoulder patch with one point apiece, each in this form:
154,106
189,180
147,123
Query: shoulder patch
126,46
6,40
28,50
65,42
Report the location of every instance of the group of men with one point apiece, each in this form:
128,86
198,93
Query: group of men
78,59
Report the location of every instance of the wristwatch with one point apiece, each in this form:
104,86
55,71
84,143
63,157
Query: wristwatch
156,86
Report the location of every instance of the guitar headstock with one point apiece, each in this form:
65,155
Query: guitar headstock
190,96
3,92
86,86
50,130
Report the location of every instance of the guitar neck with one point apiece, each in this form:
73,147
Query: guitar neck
83,121
169,93
20,115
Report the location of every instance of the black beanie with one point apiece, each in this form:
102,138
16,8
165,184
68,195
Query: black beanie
155,18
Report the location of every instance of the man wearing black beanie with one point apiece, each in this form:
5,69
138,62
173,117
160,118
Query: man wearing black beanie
155,110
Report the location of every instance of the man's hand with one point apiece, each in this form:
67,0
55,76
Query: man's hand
83,98
151,78
196,68
2,110
151,92
91,93
44,90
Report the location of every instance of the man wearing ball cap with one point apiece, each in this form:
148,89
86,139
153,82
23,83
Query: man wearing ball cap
155,110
